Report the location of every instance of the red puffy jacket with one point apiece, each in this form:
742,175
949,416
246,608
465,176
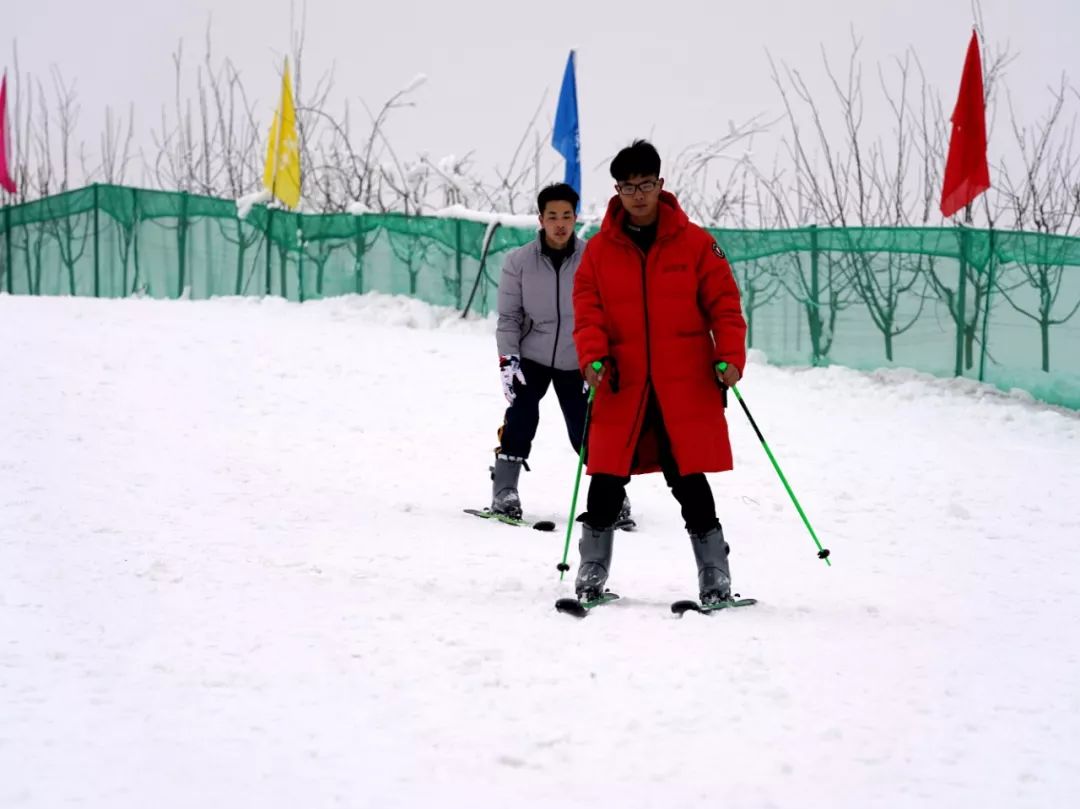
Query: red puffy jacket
663,321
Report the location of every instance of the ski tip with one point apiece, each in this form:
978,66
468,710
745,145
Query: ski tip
544,525
571,606
680,607
579,608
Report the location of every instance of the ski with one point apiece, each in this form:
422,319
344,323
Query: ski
579,609
682,607
488,514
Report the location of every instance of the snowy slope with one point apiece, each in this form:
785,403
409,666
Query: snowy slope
234,572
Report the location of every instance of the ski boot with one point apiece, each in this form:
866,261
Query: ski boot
595,548
714,575
504,489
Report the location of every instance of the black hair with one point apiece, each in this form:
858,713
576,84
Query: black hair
557,192
640,158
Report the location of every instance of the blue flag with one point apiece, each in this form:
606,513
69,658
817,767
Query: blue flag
566,137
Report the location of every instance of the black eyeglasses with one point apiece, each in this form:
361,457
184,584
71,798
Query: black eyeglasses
629,189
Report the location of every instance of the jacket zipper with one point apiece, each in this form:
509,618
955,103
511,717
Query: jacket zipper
558,313
648,348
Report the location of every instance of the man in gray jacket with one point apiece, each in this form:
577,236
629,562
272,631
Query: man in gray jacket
536,343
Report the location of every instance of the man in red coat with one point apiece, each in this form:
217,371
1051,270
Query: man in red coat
655,301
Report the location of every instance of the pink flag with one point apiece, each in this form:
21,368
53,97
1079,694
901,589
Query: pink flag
5,176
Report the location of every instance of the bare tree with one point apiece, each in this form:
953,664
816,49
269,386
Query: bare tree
706,197
885,279
116,147
1044,198
822,194
512,181
758,280
415,253
68,231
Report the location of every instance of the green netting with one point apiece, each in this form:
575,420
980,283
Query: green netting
987,305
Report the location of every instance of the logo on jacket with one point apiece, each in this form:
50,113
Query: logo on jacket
716,249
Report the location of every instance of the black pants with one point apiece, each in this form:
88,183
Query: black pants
523,416
693,492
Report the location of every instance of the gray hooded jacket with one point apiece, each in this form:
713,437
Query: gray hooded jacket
536,307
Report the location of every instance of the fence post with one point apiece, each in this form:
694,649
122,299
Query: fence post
97,261
961,304
814,319
300,260
131,241
986,314
283,257
134,246
361,248
269,247
7,249
457,245
182,244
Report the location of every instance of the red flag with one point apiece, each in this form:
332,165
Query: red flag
966,172
5,177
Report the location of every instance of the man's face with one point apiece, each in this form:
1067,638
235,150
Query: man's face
558,220
640,196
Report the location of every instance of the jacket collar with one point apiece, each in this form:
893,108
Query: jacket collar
672,217
538,243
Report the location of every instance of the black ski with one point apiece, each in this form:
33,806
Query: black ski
488,514
682,607
579,609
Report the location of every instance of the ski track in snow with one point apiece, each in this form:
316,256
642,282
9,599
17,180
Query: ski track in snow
234,571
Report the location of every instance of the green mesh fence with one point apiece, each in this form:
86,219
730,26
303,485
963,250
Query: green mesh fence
987,305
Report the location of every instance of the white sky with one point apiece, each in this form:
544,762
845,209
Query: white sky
676,71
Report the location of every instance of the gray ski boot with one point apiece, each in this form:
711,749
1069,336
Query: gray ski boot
504,489
595,549
714,575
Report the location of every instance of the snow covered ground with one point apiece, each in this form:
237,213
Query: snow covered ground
234,572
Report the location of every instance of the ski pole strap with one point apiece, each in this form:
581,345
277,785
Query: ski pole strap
721,367
613,375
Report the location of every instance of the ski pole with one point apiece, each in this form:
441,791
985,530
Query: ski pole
823,553
562,567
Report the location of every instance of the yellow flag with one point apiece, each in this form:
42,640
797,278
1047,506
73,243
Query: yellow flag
282,174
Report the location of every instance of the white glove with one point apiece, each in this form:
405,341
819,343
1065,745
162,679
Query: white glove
510,370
